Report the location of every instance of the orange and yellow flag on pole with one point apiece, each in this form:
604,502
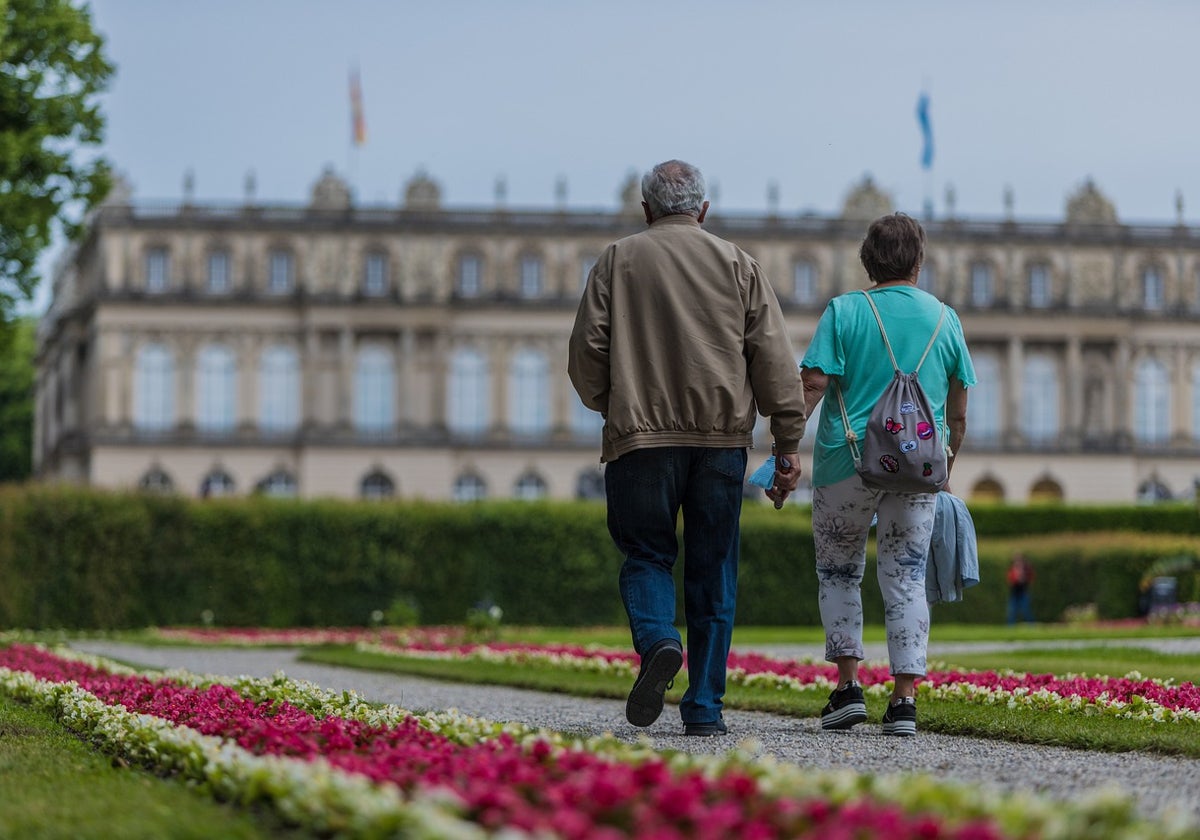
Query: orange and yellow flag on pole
358,123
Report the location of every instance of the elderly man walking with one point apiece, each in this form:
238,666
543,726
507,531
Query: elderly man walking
679,341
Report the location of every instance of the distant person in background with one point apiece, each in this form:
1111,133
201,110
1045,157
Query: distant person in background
1020,577
680,343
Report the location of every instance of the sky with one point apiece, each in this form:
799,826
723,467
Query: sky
1029,95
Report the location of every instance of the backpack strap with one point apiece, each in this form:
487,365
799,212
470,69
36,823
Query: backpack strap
851,437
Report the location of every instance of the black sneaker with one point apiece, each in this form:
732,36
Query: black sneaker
901,718
845,708
657,673
706,730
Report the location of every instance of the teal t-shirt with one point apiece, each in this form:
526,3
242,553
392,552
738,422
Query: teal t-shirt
848,348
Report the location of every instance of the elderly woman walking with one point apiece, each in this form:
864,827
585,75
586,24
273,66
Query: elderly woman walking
849,351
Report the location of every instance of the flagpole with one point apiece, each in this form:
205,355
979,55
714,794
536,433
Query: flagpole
926,124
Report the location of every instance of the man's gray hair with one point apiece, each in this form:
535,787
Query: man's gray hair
673,187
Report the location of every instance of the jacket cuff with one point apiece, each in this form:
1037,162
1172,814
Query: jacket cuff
784,446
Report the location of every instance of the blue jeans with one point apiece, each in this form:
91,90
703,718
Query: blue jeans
646,491
1019,606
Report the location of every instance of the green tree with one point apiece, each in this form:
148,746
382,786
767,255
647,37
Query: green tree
52,70
17,346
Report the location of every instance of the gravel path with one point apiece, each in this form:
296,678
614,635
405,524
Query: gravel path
1158,784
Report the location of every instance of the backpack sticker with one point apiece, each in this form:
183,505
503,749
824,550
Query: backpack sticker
892,426
908,445
907,408
924,431
889,463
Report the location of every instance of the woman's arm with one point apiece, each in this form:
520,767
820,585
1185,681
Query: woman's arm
956,417
786,478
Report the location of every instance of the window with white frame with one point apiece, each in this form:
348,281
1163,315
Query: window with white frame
216,483
218,272
589,484
1039,399
376,485
1039,286
375,274
983,407
280,272
982,284
531,276
1151,402
927,278
279,389
1196,400
1153,291
804,282
154,389
469,488
374,390
585,423
529,393
530,487
158,270
469,397
586,264
280,484
469,276
216,389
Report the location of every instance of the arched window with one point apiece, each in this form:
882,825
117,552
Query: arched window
1153,490
469,488
216,483
983,290
377,485
281,272
1039,286
804,282
156,481
585,423
469,277
530,487
1046,490
216,389
529,393
983,407
158,270
218,272
532,276
987,489
154,389
1153,288
375,274
1039,399
590,484
1151,402
374,390
279,389
469,395
280,484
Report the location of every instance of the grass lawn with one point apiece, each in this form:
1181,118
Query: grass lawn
53,785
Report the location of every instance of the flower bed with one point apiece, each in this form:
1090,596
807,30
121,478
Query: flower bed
331,762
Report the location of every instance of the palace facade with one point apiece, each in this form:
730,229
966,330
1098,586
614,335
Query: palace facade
419,350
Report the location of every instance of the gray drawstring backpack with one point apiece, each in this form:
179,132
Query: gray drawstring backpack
902,450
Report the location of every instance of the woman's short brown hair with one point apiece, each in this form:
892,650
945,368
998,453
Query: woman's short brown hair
893,249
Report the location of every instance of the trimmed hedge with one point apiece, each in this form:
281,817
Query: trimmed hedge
86,559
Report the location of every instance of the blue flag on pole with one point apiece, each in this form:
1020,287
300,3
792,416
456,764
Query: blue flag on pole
926,130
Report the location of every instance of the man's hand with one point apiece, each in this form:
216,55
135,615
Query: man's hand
787,476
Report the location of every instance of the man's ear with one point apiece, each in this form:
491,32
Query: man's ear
703,212
646,210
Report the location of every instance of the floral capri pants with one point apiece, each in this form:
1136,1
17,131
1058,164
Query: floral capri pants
841,518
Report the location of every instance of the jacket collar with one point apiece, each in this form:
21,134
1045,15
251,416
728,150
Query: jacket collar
676,219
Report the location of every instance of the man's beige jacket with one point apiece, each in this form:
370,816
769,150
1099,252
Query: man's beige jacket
679,341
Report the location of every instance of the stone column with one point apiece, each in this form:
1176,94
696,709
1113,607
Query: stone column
406,396
1012,432
1074,392
185,385
499,356
1122,394
248,348
1180,433
345,385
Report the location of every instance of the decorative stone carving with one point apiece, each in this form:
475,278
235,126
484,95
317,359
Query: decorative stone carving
121,192
866,202
1088,206
330,192
422,193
